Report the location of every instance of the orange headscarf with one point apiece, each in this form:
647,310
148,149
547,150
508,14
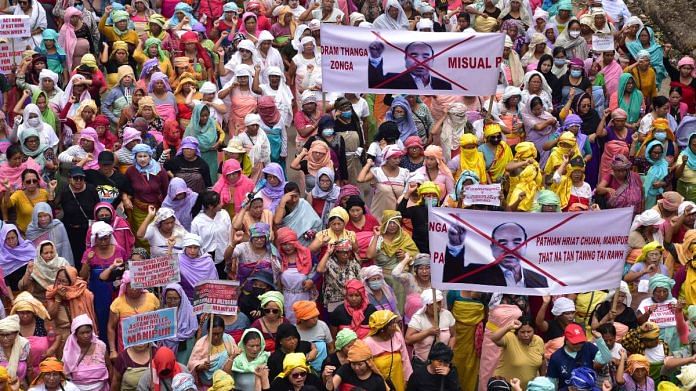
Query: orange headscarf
305,309
50,364
303,259
313,166
360,352
637,361
80,299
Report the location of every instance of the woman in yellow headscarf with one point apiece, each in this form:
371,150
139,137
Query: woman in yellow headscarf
569,183
285,20
685,278
295,373
388,348
338,217
388,247
566,146
660,131
118,56
525,154
528,183
222,381
184,84
496,152
34,316
470,158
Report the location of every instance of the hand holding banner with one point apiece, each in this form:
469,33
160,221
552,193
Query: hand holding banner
148,327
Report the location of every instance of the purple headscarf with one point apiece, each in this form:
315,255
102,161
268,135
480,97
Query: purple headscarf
195,270
158,76
147,67
189,142
14,258
186,324
274,193
574,120
182,208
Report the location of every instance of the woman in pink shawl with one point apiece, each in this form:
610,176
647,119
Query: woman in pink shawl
249,27
123,235
11,170
232,185
89,134
68,40
500,316
611,149
612,72
85,356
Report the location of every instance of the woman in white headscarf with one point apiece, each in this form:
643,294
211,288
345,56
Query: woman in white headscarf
19,348
307,73
511,65
161,229
422,322
33,121
537,47
535,85
267,54
73,89
393,18
573,42
246,54
523,10
37,23
623,316
450,128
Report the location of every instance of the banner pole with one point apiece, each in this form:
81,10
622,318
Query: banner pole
615,300
152,373
435,309
210,335
490,108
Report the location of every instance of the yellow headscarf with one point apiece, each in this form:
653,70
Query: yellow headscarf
525,150
222,381
503,153
147,101
379,319
5,377
636,361
528,184
685,255
123,71
293,361
564,187
558,152
428,187
401,241
26,302
339,212
77,118
472,159
119,45
652,246
89,60
649,330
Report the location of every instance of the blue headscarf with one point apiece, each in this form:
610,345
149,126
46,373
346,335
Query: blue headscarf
152,168
463,177
187,11
657,172
406,125
116,6
52,35
691,163
583,379
655,51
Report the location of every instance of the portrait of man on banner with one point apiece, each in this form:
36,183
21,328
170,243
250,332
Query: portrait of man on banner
510,271
417,74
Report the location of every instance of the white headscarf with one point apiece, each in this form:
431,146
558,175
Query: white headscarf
299,30
385,22
622,288
11,325
37,20
561,305
101,229
525,12
45,131
68,93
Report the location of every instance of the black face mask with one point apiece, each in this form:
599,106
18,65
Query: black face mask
105,219
495,140
257,291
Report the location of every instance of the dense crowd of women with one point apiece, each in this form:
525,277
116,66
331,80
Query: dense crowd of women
135,130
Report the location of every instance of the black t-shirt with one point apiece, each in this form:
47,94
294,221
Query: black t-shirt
196,174
275,361
339,316
348,377
109,189
627,317
282,384
78,209
422,380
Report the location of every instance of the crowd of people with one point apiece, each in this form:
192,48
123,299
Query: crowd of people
134,130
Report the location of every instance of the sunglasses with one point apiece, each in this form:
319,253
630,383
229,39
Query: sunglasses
78,178
31,181
271,311
299,375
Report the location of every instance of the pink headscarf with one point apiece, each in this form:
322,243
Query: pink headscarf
91,135
242,25
242,185
67,38
686,60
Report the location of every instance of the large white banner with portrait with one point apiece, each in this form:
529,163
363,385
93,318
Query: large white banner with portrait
359,60
528,253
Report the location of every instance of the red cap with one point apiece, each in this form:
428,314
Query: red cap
575,334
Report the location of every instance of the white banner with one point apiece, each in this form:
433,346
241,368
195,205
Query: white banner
14,26
10,56
359,60
528,253
482,195
602,42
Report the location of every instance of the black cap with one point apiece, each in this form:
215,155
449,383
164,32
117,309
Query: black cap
105,157
76,171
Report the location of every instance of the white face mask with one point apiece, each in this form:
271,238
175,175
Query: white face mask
574,34
34,122
142,160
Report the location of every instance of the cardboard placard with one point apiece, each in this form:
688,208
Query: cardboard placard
482,195
149,327
216,297
150,273
15,26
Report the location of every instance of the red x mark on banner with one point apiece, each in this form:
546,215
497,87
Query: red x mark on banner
421,63
512,251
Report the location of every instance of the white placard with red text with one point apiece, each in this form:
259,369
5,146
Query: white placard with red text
15,26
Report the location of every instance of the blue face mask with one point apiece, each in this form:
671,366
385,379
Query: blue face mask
375,285
576,73
327,132
660,136
430,201
346,114
79,6
559,62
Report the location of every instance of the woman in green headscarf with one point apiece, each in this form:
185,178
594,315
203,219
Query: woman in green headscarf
629,98
40,98
658,308
153,49
33,147
209,135
55,55
253,355
547,201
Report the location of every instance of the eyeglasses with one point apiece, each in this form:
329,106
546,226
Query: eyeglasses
299,375
31,181
8,336
78,178
271,311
